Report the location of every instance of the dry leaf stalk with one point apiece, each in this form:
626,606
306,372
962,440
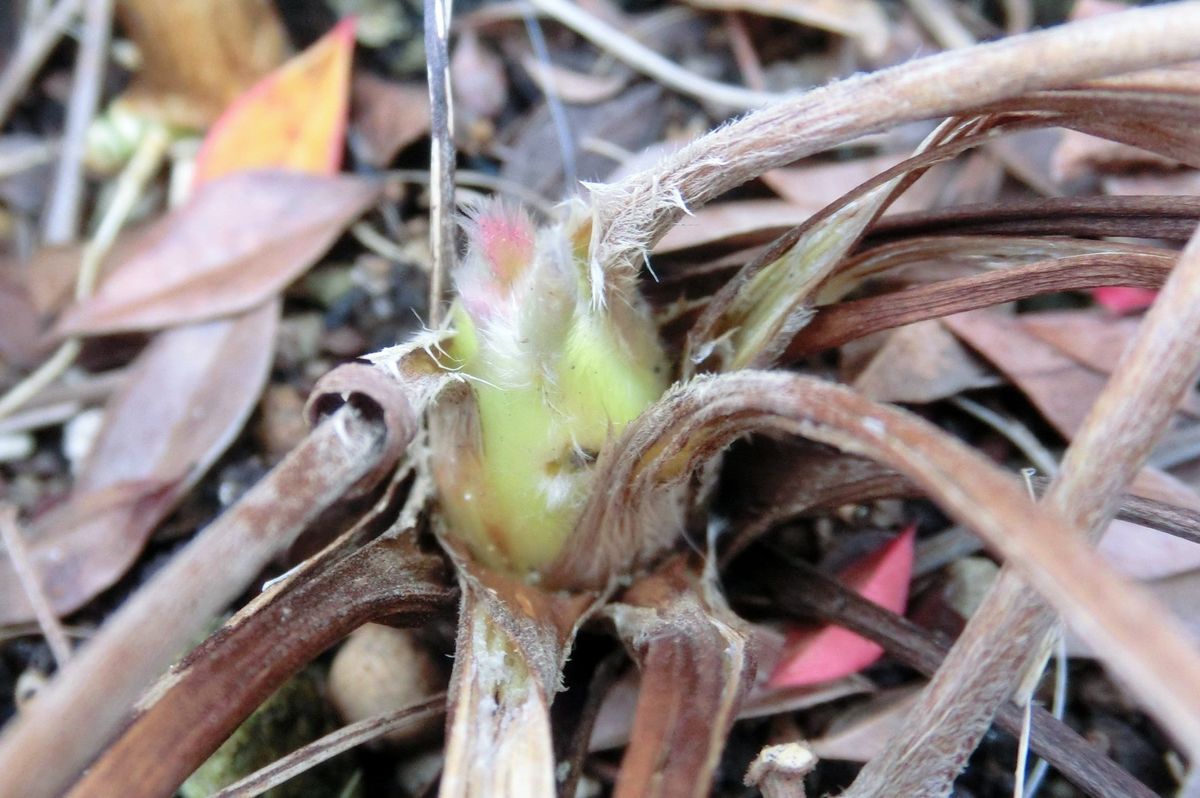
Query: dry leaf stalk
1011,625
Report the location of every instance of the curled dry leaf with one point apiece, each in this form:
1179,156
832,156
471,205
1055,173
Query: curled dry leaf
180,406
237,243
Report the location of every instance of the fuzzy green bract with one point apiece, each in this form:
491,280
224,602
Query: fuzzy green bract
552,377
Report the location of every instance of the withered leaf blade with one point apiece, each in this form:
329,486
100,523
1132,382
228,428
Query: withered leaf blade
920,363
239,241
183,402
512,641
1060,388
695,671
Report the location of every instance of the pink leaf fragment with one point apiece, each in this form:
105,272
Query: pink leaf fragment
1122,299
831,652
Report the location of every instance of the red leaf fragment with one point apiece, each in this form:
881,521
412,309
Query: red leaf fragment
831,652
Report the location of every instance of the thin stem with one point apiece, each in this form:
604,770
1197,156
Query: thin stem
52,630
441,155
329,746
650,63
61,222
35,45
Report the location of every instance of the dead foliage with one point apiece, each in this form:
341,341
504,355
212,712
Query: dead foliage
744,543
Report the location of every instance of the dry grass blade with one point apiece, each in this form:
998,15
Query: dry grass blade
695,671
93,694
994,650
847,321
186,716
634,214
1170,218
330,746
31,584
1131,632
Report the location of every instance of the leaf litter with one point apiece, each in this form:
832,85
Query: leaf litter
877,257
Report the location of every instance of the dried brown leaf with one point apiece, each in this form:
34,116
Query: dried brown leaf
182,403
199,55
236,244
920,363
1061,389
861,732
387,116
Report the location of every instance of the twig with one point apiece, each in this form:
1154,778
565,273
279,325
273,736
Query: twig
329,746
60,224
558,114
93,694
52,630
441,155
650,63
634,214
35,45
1017,433
601,682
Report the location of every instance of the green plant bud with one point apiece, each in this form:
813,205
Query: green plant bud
552,377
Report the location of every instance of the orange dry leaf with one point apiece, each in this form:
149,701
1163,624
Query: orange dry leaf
294,118
811,657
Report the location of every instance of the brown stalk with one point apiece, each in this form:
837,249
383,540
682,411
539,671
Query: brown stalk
695,670
634,214
93,695
512,642
1170,218
1131,632
1011,625
837,324
779,484
805,592
215,687
330,746
441,153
